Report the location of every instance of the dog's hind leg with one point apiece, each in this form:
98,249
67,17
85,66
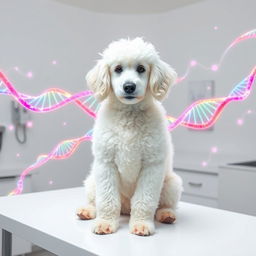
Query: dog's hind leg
170,196
88,212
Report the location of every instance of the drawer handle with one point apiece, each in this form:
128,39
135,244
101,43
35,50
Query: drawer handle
195,184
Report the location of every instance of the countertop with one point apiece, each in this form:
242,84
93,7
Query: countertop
48,219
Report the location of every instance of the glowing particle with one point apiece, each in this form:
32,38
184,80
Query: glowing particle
18,155
16,68
29,74
240,121
214,67
54,62
215,27
249,111
214,149
204,163
50,182
10,127
193,63
29,124
64,123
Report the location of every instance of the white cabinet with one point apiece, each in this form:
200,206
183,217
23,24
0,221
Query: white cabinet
237,189
202,200
7,184
227,187
199,187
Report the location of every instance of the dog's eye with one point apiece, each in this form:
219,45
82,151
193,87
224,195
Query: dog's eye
140,69
118,69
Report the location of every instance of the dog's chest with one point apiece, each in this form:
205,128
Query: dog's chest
129,135
128,155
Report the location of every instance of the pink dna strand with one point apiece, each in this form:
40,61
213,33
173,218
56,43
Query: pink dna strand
49,100
199,115
63,150
203,113
248,35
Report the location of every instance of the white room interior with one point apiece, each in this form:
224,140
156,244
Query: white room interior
72,33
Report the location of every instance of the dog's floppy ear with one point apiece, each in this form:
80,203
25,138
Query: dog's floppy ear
162,76
98,80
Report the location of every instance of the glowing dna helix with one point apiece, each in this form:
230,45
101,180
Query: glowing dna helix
199,115
63,150
49,100
248,35
203,113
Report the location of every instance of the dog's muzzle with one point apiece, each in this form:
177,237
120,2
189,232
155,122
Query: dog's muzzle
129,87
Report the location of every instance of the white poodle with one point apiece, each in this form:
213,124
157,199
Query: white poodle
132,172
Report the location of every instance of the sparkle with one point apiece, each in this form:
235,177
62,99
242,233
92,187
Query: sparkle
214,149
18,155
50,182
54,62
29,124
64,123
204,163
249,111
10,127
16,68
215,27
29,74
214,67
193,63
240,121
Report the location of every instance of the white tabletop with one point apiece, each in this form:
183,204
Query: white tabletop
48,219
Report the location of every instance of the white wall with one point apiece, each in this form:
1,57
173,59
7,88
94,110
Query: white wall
195,38
33,33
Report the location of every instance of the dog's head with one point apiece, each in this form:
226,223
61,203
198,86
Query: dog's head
130,68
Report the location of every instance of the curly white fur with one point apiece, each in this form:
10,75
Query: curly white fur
132,172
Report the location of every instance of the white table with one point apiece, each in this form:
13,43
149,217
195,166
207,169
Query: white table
9,176
48,219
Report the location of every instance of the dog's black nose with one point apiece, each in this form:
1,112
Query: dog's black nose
129,87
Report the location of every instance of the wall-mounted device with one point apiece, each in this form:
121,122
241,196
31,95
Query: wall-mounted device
2,129
20,117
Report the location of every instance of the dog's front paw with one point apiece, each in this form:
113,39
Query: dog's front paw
142,227
86,213
165,215
103,227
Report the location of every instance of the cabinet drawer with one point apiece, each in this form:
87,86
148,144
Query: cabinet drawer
211,202
196,183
